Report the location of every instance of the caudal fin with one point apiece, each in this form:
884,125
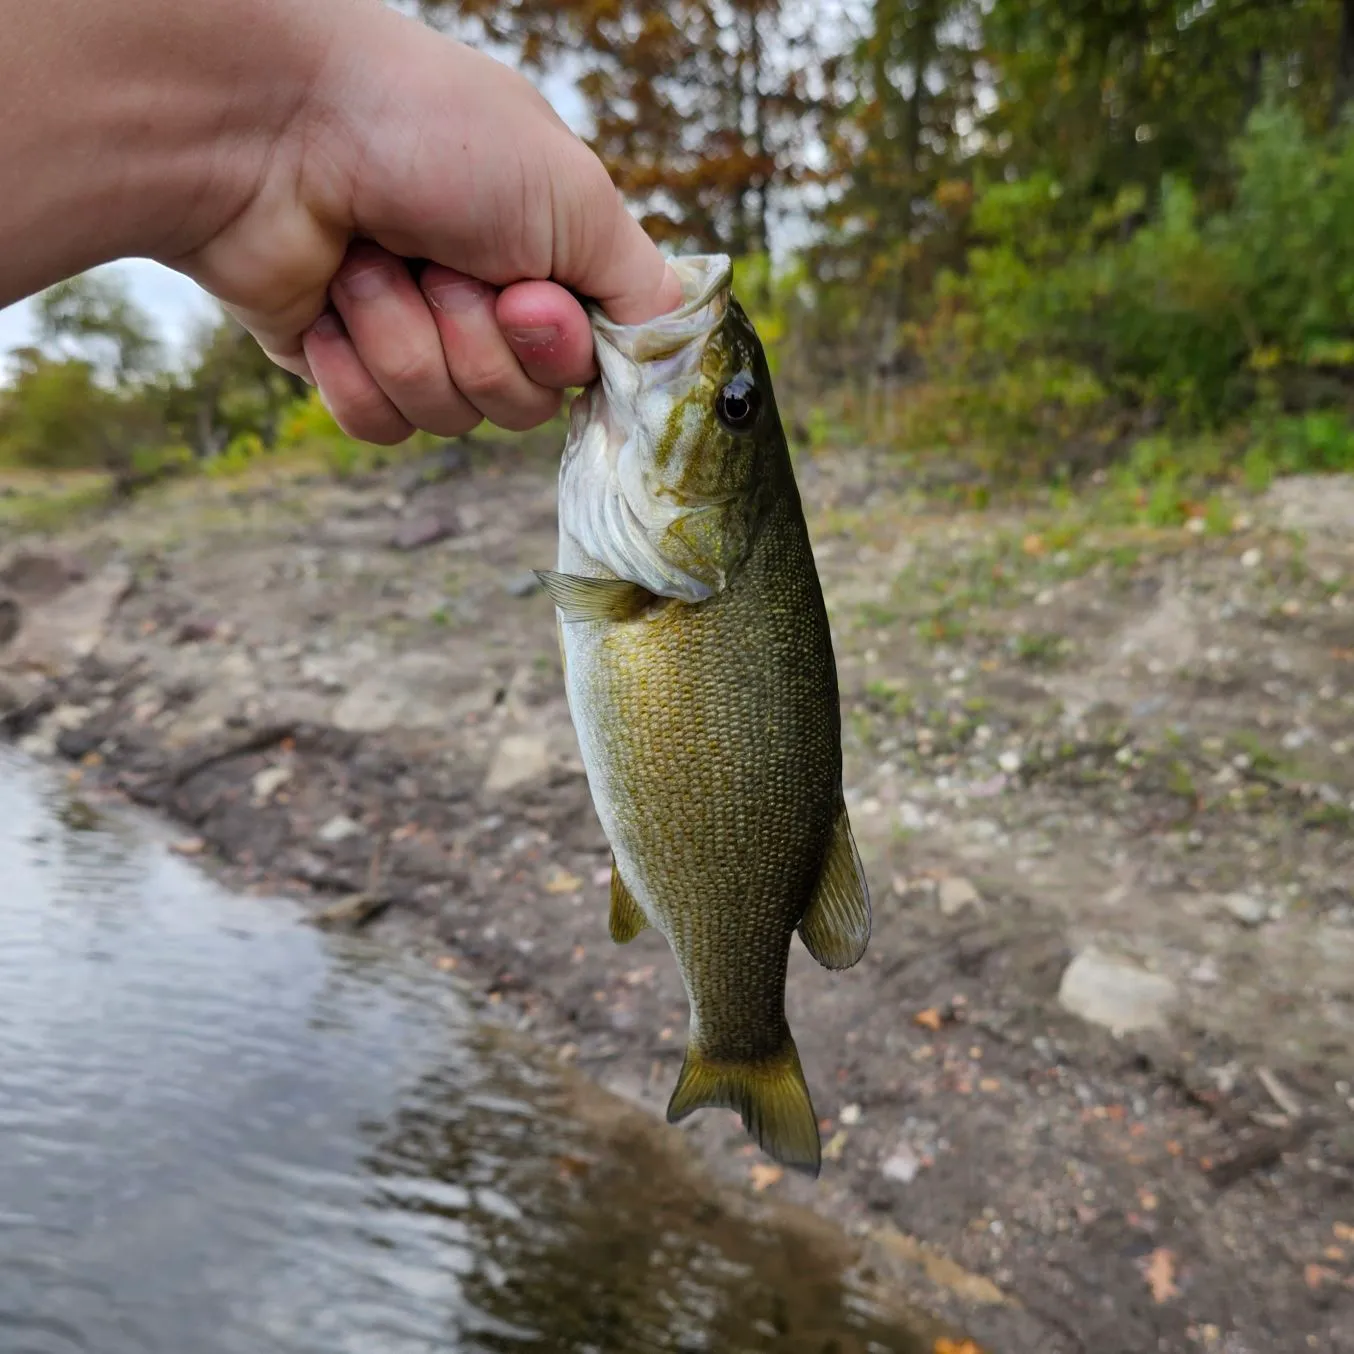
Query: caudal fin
770,1095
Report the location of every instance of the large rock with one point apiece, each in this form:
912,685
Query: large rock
1116,993
414,691
59,632
518,760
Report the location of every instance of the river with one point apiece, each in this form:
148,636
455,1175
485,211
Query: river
227,1132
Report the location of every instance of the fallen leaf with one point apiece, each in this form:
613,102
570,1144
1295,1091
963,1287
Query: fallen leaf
636,976
947,1346
446,962
402,834
1159,1272
1316,1275
763,1176
928,1019
833,1148
561,881
1147,1199
189,846
1334,1253
989,1084
1343,1231
1033,544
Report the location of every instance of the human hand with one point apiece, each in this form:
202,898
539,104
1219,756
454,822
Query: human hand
407,245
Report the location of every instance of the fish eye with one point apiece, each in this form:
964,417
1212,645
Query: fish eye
739,403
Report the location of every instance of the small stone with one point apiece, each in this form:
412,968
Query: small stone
518,759
1009,761
955,894
522,585
902,1166
850,1115
420,531
1251,558
562,881
269,781
1246,908
910,816
339,828
1115,993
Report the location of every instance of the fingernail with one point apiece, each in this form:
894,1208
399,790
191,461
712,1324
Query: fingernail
367,284
327,326
459,296
542,336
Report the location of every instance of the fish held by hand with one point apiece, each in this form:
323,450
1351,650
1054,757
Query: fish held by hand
702,686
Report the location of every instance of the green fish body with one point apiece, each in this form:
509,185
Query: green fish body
703,690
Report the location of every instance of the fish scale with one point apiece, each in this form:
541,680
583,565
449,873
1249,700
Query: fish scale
703,690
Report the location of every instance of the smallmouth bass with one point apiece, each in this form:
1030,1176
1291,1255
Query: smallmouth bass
702,687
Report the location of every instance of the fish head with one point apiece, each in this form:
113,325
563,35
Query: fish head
662,476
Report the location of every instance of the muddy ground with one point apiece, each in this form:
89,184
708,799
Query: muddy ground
1091,1088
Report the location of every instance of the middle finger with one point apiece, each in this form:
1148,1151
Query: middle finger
483,366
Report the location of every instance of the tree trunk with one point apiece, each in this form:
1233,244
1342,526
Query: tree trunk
759,146
922,49
1343,90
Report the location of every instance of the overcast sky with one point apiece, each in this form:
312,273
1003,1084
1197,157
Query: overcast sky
175,303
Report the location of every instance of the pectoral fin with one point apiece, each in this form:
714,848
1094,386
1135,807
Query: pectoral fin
835,927
593,599
627,918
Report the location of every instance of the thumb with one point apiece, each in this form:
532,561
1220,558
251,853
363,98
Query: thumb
604,254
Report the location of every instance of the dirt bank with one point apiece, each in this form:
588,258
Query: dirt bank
1090,1088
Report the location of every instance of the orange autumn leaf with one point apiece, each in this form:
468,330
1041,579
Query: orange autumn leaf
1159,1272
928,1019
764,1176
947,1346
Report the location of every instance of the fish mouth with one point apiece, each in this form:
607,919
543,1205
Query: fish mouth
705,281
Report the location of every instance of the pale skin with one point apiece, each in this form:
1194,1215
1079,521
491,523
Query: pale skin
393,215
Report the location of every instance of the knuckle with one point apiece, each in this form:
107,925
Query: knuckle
486,380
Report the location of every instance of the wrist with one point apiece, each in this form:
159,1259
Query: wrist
152,121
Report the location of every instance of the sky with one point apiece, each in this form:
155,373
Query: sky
175,304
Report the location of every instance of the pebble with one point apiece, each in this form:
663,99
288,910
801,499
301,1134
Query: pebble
522,585
1246,908
339,829
955,894
1115,993
269,781
910,816
902,1166
518,759
1251,558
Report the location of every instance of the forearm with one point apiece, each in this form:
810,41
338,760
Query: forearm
138,127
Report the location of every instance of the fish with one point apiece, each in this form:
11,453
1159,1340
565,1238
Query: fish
702,686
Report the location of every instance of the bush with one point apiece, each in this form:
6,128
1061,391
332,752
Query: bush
1192,321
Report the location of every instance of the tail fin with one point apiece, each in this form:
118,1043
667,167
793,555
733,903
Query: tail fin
770,1095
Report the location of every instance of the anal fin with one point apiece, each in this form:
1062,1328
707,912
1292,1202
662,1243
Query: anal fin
627,917
835,927
770,1096
593,599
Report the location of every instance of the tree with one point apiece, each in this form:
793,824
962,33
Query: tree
93,315
703,112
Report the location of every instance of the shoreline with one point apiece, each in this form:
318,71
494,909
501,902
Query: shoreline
329,711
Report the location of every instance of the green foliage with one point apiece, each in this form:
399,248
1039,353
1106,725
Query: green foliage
55,415
1196,317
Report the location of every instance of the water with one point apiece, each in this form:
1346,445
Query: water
224,1131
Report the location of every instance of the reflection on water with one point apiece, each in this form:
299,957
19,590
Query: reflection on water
222,1131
